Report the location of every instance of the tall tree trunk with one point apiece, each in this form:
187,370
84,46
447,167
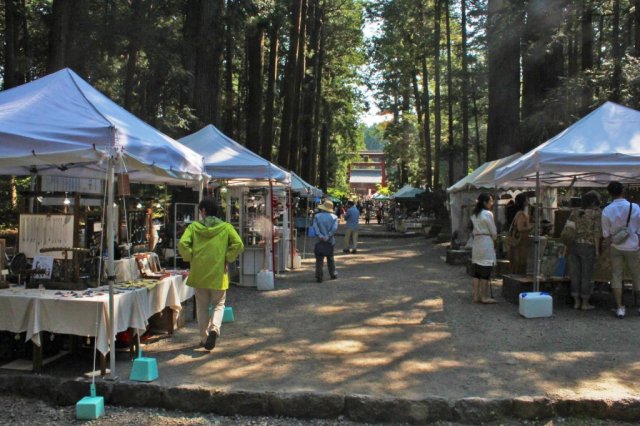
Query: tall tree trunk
586,52
503,37
189,50
310,91
208,61
11,31
135,43
542,67
294,153
289,84
27,69
451,145
58,35
255,53
479,159
465,89
438,112
229,94
267,132
324,150
427,124
315,144
616,80
418,102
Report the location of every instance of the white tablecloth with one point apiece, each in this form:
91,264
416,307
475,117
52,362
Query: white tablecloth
170,292
33,311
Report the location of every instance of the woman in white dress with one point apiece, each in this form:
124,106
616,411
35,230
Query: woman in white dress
483,254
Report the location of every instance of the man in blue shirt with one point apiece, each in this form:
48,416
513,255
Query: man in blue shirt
352,217
325,225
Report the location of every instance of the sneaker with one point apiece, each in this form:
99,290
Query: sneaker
345,250
334,277
620,313
354,251
211,340
586,306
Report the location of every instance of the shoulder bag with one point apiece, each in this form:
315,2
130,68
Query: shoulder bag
621,234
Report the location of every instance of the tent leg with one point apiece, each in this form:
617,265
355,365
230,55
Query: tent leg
537,254
111,233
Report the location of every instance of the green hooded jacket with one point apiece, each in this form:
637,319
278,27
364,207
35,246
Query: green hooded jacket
210,244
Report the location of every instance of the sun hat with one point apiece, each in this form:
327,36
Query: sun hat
327,206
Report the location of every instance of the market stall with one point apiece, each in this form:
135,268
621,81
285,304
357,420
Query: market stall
599,148
255,197
61,126
407,208
463,195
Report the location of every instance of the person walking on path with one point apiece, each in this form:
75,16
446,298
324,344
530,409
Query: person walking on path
325,225
209,244
586,248
483,254
620,225
351,217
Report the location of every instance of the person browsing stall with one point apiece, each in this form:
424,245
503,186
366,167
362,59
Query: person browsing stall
483,254
586,248
325,225
210,244
620,226
352,217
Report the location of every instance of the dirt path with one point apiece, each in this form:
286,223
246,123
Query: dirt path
399,322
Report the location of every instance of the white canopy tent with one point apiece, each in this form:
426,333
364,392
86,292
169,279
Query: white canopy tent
601,147
61,125
304,188
226,159
463,194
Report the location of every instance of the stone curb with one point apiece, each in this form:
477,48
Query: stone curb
359,408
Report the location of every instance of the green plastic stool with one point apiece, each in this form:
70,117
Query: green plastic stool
90,407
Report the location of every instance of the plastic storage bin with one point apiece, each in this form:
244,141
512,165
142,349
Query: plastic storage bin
536,305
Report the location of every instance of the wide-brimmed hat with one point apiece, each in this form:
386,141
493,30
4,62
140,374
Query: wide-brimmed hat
327,206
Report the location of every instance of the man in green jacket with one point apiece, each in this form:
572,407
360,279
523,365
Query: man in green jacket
210,244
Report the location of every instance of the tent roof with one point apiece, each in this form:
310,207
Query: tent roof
225,158
484,176
301,186
407,191
60,125
602,146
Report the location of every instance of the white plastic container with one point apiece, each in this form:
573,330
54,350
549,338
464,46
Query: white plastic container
536,305
265,280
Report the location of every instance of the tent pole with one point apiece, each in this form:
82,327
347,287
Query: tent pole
111,234
537,254
292,241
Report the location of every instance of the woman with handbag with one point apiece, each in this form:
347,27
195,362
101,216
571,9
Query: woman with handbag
585,249
519,236
483,254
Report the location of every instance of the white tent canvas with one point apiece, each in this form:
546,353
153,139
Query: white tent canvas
303,187
225,158
463,194
61,125
602,146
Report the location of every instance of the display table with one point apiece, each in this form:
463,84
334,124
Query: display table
513,285
33,311
86,313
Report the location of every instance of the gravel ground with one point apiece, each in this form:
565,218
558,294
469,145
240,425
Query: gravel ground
23,411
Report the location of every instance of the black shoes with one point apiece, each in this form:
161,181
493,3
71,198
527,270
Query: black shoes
211,340
334,277
345,250
318,279
354,251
